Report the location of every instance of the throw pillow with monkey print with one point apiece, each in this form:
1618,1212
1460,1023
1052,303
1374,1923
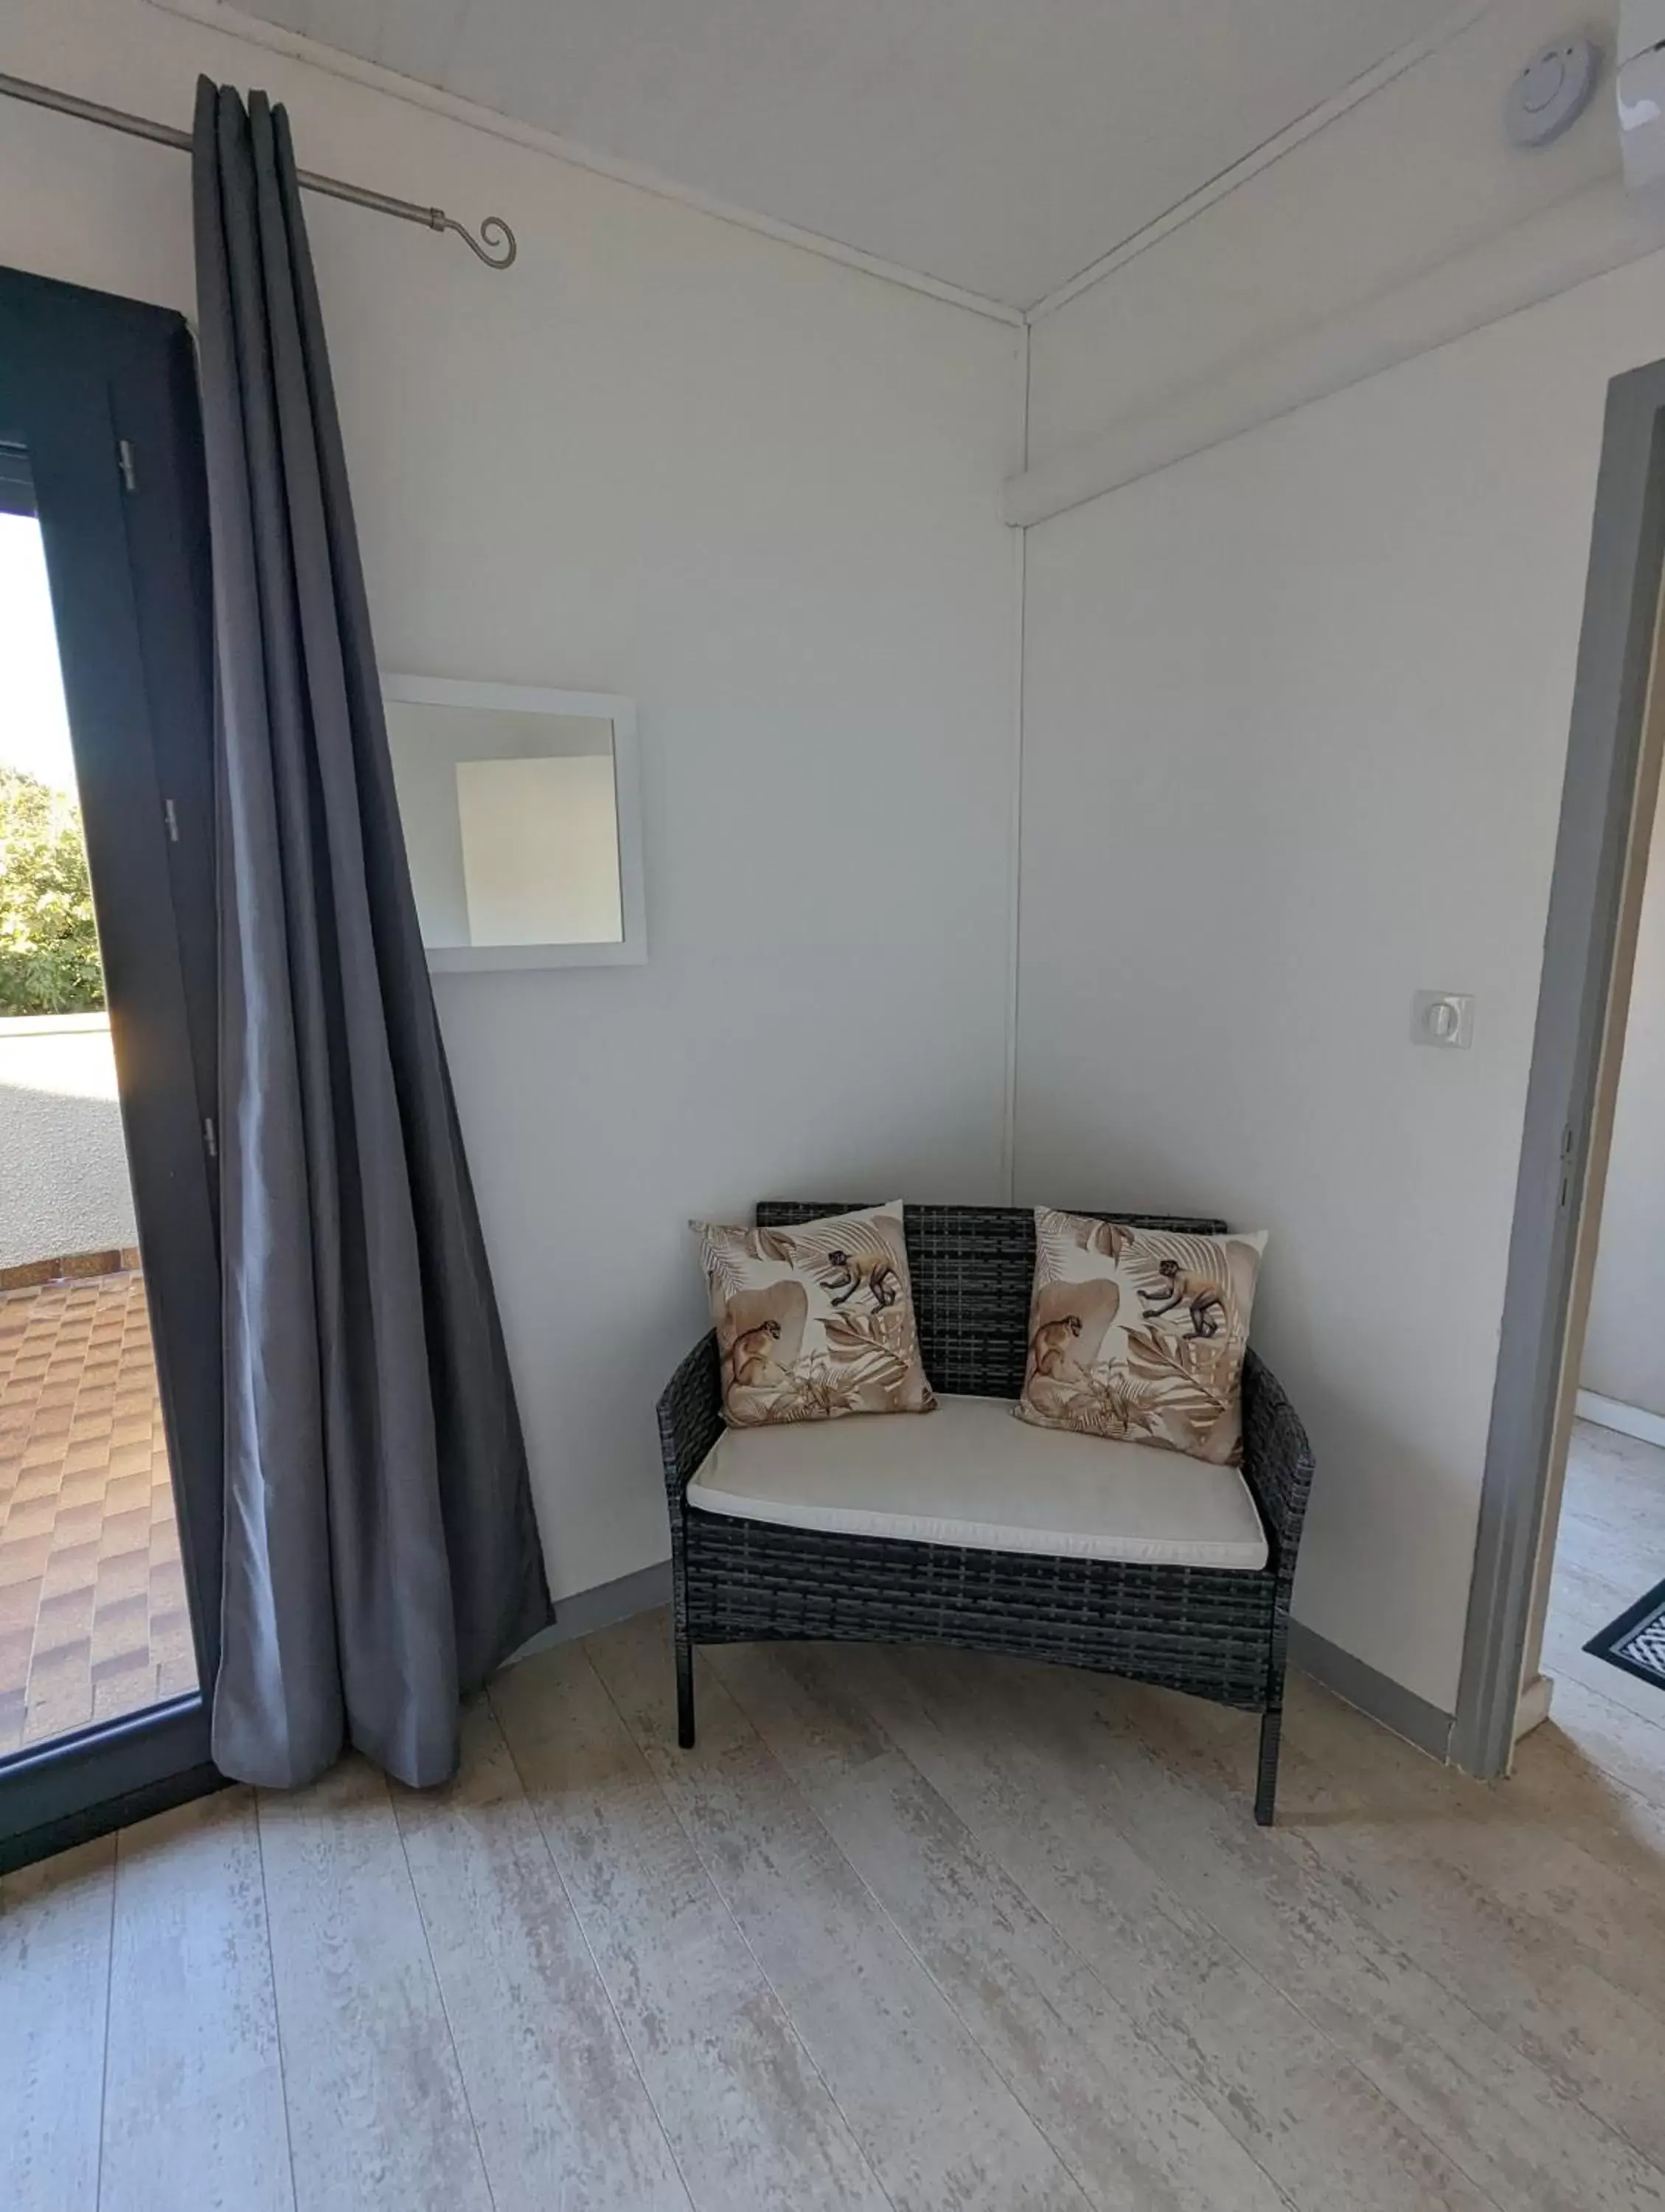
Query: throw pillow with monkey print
1140,1333
816,1321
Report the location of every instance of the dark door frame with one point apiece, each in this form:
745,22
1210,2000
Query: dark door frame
99,394
1613,766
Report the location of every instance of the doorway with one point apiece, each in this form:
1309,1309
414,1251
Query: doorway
1599,1597
1544,1451
109,1345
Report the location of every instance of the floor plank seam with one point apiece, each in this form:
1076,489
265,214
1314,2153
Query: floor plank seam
1221,2105
745,1941
901,1935
1377,2088
1568,2092
890,1920
1287,1844
255,1796
852,1899
439,1988
1508,2035
602,1982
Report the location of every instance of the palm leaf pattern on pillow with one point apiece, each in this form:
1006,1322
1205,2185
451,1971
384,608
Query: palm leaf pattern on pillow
854,1321
1166,1365
1182,1371
1060,1238
723,1270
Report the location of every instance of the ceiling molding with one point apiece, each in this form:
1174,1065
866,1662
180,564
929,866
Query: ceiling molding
219,15
1584,236
232,21
1262,157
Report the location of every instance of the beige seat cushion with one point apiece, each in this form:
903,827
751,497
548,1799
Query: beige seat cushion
974,1476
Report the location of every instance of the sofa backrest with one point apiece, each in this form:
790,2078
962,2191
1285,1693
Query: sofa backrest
972,1268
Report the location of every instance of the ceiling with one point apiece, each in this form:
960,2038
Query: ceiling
999,145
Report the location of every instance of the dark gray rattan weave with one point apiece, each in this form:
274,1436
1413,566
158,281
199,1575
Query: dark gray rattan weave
1217,1634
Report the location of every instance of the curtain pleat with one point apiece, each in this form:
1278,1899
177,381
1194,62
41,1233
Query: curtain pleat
381,1555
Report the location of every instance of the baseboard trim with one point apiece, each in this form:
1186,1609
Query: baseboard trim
1628,1420
602,1607
1377,1696
1355,1683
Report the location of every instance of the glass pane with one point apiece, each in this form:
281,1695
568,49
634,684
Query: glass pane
511,824
94,1622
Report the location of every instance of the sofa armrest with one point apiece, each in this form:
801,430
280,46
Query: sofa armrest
690,1411
1277,1461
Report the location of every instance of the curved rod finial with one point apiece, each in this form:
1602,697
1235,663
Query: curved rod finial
495,244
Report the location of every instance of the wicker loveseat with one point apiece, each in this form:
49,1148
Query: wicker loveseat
1220,1632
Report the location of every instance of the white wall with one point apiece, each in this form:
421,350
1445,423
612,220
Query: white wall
1416,172
1318,678
1295,728
1624,1341
759,492
63,1184
1295,716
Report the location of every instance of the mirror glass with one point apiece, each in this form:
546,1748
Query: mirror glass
511,823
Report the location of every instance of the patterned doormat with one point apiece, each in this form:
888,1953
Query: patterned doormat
1636,1640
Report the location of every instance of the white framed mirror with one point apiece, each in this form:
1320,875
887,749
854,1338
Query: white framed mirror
522,812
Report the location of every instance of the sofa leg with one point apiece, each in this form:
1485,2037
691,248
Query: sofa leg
1266,1782
684,1693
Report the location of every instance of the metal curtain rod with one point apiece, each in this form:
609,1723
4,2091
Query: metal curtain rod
494,231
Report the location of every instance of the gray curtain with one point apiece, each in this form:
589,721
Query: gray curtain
380,1556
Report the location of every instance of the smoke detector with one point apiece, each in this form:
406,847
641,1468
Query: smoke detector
1551,92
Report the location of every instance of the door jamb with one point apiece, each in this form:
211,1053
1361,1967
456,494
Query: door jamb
1614,745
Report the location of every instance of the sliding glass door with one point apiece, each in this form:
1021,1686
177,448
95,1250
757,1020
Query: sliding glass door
109,1337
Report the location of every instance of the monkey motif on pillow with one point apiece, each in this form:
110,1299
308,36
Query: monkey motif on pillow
1139,1335
816,1321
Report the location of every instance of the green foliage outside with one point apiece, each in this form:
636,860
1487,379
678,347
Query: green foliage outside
49,962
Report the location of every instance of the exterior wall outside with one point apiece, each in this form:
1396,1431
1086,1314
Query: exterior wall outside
65,1188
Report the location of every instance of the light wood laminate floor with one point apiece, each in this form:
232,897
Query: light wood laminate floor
909,1929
